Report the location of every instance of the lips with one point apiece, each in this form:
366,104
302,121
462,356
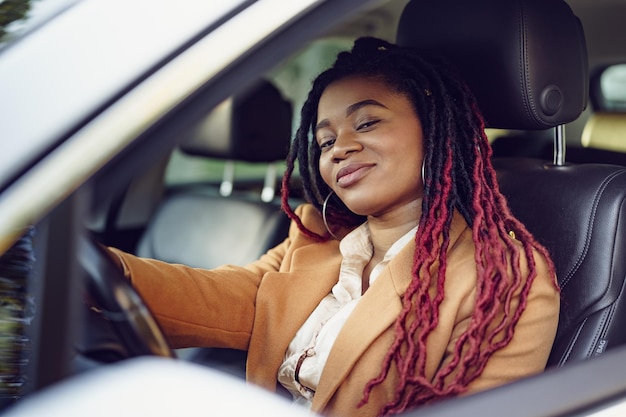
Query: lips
352,173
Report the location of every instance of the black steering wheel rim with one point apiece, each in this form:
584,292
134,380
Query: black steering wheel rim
119,303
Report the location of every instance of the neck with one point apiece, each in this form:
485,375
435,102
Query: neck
386,229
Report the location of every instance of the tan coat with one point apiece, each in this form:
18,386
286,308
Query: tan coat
260,307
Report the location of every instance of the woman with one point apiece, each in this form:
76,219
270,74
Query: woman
406,279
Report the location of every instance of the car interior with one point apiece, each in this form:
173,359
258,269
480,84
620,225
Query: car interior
213,199
226,211
582,227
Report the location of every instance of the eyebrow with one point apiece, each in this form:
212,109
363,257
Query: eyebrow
350,110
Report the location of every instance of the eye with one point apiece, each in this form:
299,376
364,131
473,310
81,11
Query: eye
367,124
326,143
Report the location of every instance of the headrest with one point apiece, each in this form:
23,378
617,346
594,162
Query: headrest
525,60
253,126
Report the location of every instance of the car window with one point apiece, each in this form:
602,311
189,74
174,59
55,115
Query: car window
606,127
612,88
185,169
293,77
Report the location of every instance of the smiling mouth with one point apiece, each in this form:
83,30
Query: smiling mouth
351,174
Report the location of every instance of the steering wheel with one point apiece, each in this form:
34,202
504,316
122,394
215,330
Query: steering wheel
119,303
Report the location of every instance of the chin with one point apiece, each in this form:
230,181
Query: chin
360,210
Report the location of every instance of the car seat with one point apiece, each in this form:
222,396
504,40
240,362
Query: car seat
526,62
202,226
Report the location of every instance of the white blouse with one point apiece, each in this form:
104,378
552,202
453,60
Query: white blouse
308,351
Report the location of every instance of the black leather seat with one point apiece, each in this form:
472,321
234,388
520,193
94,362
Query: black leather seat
578,212
526,62
201,226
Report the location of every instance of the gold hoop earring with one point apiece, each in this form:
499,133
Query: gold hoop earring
324,214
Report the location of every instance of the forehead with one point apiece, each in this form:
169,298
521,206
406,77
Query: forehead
341,94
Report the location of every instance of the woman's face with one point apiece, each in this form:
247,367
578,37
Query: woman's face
371,146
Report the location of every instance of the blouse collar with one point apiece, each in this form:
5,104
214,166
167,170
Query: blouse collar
357,249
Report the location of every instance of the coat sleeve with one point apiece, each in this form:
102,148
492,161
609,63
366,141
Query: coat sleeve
198,307
209,308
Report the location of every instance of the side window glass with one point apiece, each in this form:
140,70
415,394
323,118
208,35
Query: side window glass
293,78
185,169
606,127
613,88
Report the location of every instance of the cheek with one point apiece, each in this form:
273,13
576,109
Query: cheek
325,167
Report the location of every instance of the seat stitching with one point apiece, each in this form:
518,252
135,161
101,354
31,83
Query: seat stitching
525,75
570,348
590,223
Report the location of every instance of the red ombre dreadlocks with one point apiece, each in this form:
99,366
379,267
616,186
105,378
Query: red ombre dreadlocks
459,177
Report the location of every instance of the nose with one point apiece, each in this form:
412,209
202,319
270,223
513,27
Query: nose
345,144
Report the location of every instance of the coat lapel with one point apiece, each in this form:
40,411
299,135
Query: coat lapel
290,297
373,315
284,303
